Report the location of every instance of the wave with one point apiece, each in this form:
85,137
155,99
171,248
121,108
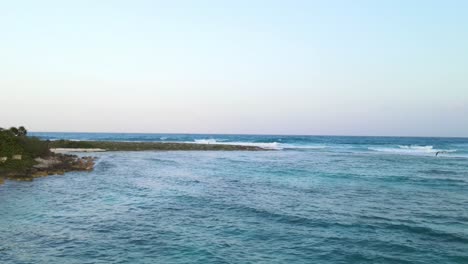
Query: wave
412,150
265,145
272,145
206,141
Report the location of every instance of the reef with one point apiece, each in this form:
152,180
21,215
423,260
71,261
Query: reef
141,146
25,158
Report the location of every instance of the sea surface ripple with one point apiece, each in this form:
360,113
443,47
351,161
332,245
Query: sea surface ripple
337,204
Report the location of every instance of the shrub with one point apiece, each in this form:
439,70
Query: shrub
35,147
15,142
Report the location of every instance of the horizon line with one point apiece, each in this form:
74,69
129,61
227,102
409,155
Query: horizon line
249,134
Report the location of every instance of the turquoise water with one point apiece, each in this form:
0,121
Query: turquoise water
309,200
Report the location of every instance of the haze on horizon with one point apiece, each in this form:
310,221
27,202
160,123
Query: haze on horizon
262,67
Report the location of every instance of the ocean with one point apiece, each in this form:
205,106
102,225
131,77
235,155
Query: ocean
309,199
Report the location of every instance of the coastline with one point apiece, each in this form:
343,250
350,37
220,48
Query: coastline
59,161
55,164
68,145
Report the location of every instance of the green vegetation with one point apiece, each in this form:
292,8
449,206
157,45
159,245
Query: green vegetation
70,144
139,146
17,151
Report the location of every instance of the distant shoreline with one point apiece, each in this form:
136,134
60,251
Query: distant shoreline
98,146
59,160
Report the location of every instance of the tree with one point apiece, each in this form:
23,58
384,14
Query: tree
17,132
14,131
22,132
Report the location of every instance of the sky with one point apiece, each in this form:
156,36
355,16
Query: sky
253,67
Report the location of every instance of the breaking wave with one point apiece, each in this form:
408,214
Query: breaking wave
265,145
207,141
272,145
412,150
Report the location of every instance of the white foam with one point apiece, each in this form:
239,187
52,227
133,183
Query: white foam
206,141
272,145
412,150
265,145
66,150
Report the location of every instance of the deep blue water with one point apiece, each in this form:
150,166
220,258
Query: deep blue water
311,200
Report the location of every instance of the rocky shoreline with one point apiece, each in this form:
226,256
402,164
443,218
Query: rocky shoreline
56,164
56,161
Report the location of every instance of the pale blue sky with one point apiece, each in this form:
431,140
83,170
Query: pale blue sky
275,67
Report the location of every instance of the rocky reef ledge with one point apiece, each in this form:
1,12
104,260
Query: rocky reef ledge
56,164
25,158
55,159
62,145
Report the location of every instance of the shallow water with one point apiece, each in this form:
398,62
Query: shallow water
334,204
